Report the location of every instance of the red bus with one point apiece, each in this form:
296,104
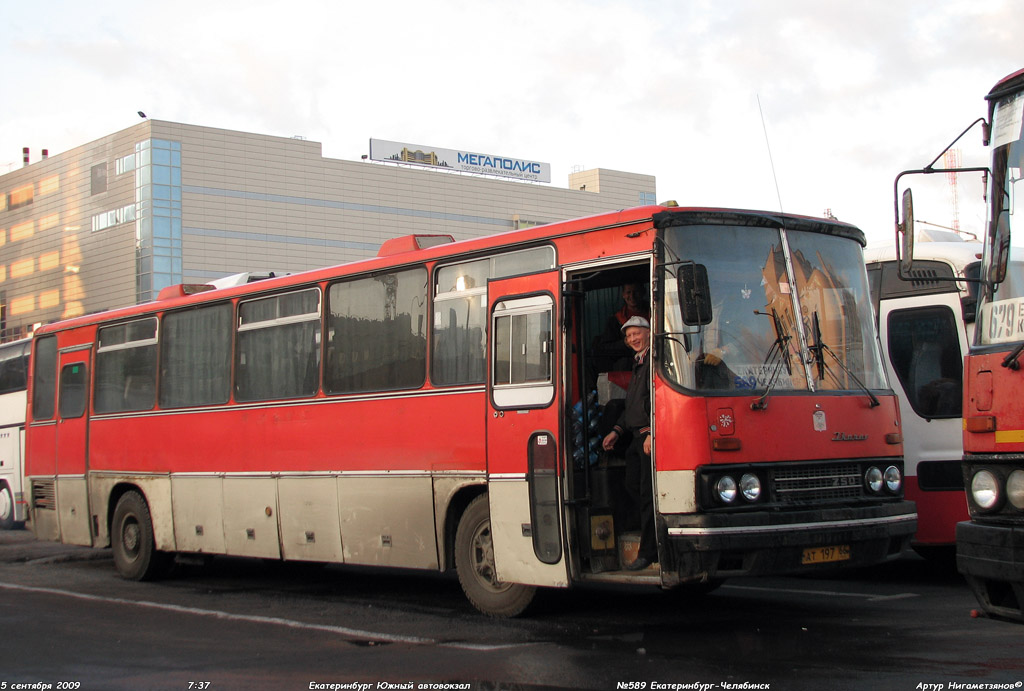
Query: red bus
441,406
990,547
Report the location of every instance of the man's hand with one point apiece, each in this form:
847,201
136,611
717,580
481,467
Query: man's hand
714,356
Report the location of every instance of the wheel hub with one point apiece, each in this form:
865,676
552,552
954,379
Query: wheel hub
483,559
130,538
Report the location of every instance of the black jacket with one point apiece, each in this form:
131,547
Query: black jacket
637,415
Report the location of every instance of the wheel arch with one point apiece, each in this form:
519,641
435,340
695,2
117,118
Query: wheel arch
453,514
106,489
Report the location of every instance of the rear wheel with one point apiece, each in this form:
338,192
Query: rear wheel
6,507
131,537
474,563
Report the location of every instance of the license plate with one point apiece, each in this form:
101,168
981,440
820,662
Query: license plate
823,555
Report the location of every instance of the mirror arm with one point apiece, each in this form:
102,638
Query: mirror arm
985,129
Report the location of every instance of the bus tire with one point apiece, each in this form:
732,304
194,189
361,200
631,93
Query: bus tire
131,538
474,563
6,507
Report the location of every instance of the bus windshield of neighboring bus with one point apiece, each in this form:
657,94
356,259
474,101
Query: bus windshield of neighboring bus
1001,306
755,341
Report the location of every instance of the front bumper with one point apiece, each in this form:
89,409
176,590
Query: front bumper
991,557
727,545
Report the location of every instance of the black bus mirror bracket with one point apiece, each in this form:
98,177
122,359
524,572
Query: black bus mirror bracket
694,294
905,228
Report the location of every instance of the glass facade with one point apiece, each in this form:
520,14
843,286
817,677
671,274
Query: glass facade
158,217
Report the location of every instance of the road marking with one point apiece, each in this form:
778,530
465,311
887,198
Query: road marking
255,619
830,593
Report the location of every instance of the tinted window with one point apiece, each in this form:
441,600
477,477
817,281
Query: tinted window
460,311
278,347
195,365
925,353
126,367
72,390
377,328
14,368
44,379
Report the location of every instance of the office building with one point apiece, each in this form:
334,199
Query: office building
111,222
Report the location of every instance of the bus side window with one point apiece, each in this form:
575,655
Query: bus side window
195,359
925,352
12,371
377,333
44,379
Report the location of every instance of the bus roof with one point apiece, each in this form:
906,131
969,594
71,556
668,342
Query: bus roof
1008,83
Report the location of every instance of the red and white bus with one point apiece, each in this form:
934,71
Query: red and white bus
990,547
926,325
439,407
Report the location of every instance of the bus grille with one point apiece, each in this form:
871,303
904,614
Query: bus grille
814,483
44,495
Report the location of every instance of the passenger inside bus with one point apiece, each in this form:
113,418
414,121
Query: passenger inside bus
635,420
603,374
609,350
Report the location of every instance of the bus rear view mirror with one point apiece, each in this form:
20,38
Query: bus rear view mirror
1000,242
905,230
694,294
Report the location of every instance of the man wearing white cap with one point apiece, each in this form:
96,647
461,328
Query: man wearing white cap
636,419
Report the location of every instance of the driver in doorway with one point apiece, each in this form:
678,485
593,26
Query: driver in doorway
636,419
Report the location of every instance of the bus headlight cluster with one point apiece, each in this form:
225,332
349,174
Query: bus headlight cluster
989,492
880,481
727,489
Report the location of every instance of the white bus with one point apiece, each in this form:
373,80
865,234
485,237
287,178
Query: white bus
925,326
13,372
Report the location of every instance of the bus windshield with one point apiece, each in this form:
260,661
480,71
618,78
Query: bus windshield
799,325
1001,305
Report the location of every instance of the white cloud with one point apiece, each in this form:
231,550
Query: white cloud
851,93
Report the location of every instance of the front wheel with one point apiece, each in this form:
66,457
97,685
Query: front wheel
474,563
131,537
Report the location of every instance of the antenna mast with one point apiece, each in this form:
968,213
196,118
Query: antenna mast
769,147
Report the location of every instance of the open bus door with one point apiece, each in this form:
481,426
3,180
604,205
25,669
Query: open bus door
524,466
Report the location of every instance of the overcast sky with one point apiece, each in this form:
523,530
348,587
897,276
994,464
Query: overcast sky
844,95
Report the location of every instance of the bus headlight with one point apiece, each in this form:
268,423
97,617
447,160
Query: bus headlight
1015,489
893,479
726,489
985,490
750,486
873,479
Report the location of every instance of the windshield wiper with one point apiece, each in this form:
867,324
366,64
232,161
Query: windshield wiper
779,351
820,348
1011,360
